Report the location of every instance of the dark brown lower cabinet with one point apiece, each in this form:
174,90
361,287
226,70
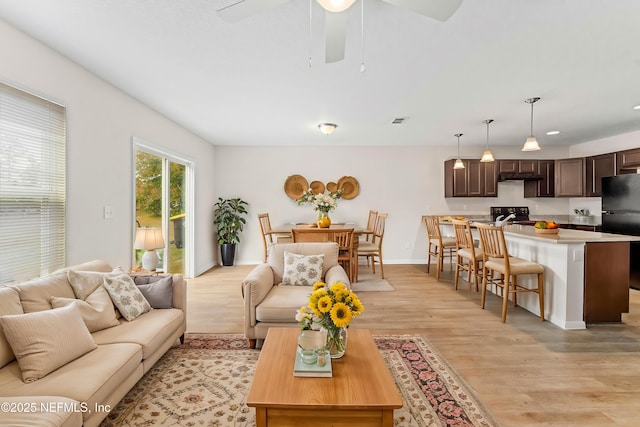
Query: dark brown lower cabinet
606,281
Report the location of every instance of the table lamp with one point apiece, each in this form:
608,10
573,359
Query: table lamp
149,239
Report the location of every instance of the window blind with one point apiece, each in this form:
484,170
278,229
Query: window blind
32,186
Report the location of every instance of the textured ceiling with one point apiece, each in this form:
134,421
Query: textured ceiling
250,83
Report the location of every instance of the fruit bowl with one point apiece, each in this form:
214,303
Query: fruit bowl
547,230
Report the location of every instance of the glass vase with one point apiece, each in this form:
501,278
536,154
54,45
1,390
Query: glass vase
323,220
337,342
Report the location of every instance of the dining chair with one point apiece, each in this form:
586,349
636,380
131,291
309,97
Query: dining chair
371,223
311,235
373,248
496,259
468,257
344,239
438,246
268,236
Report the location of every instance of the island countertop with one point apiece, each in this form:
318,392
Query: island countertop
566,236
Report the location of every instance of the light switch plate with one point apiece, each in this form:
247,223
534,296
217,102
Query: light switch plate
108,212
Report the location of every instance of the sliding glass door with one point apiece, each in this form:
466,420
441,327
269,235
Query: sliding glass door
162,195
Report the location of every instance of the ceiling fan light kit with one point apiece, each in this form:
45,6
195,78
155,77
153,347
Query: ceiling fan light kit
531,144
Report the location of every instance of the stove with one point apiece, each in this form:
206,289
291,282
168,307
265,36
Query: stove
521,213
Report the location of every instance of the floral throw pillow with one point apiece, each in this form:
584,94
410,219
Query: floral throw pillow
301,270
126,296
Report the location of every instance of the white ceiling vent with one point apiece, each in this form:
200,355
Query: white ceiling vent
398,120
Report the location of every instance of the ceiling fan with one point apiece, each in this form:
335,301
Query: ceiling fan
335,20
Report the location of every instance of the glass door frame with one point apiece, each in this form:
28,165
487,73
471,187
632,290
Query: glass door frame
139,144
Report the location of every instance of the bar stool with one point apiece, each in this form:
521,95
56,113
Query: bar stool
496,259
438,245
466,251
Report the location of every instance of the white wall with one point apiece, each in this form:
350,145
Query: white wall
405,182
101,121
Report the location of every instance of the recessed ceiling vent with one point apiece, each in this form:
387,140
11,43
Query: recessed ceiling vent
398,120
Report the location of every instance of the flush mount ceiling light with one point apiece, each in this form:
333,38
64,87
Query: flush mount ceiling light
487,156
531,144
458,164
335,5
637,107
327,128
553,132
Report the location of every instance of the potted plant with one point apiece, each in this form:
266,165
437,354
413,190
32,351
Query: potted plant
228,216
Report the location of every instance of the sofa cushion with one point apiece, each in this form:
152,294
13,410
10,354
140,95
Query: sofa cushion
281,304
45,340
50,411
97,310
91,378
9,304
302,270
35,295
150,330
158,290
126,296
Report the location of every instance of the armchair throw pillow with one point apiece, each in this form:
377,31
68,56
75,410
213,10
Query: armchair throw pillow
302,270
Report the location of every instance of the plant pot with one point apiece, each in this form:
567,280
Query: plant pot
228,253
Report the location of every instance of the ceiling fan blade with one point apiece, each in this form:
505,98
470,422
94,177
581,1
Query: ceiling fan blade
436,9
335,34
235,10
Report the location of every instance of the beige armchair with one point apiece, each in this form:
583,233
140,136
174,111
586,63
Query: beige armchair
268,303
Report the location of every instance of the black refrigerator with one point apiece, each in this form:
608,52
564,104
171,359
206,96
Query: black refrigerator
621,214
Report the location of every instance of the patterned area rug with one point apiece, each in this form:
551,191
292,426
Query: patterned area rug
205,382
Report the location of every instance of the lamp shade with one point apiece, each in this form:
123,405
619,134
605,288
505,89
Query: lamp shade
458,164
148,239
487,157
335,5
531,144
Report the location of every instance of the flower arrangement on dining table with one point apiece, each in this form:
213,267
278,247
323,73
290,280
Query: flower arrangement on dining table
330,308
321,202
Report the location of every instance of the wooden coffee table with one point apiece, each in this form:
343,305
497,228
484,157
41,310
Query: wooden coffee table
360,393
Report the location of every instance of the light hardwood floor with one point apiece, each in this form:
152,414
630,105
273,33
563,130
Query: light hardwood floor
526,372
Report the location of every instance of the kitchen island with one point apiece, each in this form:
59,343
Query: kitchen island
586,273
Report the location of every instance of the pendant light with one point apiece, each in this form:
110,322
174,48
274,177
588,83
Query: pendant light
458,164
487,156
531,144
335,5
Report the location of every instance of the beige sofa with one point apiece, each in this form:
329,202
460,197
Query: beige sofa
270,303
82,391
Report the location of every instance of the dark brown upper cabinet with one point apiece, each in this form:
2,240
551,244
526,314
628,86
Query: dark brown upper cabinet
477,179
544,187
627,161
569,177
599,167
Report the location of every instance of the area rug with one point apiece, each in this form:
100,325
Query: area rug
205,381
369,282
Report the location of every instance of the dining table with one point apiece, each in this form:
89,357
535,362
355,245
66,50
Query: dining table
283,230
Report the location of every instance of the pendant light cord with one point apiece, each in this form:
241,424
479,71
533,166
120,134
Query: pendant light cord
532,118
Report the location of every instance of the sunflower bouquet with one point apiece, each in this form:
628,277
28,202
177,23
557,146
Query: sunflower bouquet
330,308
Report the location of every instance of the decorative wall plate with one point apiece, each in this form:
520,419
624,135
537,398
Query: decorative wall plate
317,187
295,186
350,187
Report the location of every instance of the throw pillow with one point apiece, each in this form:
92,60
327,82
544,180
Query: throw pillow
158,290
126,296
84,283
43,341
97,310
302,270
9,304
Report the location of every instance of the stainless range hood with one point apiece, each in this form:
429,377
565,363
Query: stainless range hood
519,176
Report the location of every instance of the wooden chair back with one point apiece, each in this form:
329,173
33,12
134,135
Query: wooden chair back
312,235
265,227
378,230
432,223
464,238
492,242
371,223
